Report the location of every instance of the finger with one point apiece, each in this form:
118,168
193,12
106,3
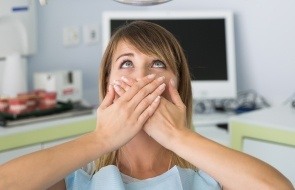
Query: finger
146,102
128,80
149,111
147,90
137,87
175,97
120,91
125,83
109,98
125,86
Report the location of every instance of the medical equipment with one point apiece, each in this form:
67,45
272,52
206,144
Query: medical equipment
129,2
18,39
67,84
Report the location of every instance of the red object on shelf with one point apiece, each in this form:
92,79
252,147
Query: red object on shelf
47,100
17,105
3,104
38,92
32,100
28,102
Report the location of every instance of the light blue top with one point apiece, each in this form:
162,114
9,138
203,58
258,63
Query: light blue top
110,178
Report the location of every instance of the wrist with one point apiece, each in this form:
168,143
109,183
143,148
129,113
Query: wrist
178,138
95,145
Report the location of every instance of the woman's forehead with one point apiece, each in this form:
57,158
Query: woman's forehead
125,47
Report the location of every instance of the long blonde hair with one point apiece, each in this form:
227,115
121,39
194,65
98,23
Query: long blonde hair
150,39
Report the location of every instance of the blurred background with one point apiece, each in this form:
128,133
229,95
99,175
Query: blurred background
264,41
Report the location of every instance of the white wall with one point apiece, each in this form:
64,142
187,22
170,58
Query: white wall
265,41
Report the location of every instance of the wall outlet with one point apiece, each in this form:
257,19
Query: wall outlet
71,36
91,34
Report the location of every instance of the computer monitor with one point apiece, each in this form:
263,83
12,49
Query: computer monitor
208,42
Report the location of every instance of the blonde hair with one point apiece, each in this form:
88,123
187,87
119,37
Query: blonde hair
150,39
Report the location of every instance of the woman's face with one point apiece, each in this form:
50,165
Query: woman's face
130,62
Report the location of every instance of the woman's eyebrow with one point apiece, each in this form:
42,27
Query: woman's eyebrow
125,54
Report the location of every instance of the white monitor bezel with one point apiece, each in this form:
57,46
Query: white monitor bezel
213,89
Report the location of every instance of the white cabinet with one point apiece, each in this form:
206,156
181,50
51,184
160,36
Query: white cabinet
20,140
206,125
11,154
268,134
280,156
214,133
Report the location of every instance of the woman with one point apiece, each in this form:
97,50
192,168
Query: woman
142,139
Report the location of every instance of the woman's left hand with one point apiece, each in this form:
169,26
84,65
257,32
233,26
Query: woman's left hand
168,120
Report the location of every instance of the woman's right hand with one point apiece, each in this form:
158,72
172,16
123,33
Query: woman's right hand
119,121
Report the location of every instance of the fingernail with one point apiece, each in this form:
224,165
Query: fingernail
157,99
162,86
117,88
160,79
172,81
109,87
124,79
117,82
151,76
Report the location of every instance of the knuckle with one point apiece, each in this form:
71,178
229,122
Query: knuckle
137,87
132,81
129,108
144,115
183,107
145,102
145,81
150,97
121,103
127,88
156,83
98,111
125,113
144,92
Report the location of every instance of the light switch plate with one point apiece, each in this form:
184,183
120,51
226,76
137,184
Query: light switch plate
91,34
71,36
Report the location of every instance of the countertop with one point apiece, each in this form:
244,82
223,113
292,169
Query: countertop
18,136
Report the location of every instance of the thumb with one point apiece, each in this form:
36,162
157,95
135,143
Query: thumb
109,98
176,99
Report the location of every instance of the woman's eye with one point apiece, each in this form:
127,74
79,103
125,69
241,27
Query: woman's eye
159,64
126,64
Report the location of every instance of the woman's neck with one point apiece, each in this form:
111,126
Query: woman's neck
143,157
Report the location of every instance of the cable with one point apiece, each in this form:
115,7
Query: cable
289,99
246,101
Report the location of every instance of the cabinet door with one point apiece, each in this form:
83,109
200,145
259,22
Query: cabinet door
278,155
11,154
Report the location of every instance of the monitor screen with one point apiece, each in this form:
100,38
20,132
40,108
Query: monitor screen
208,42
